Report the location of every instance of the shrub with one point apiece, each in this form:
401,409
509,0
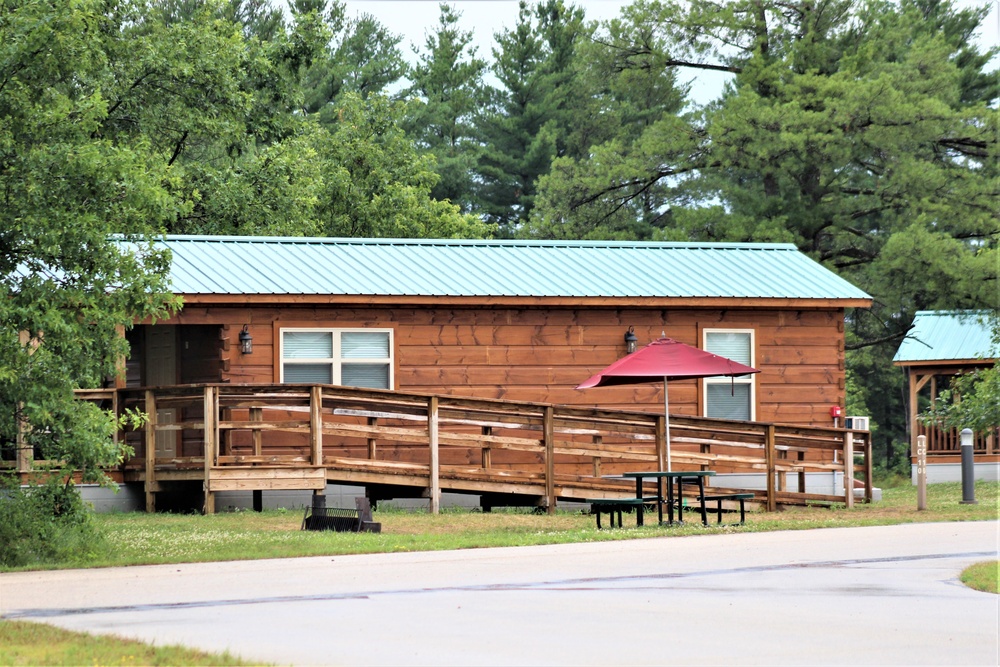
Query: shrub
44,523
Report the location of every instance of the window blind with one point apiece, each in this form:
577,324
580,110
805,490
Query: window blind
308,373
727,400
370,376
732,345
307,345
364,345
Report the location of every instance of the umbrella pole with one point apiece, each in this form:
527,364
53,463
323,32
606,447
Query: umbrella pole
666,416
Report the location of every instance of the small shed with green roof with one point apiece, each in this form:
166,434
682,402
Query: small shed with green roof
521,320
940,346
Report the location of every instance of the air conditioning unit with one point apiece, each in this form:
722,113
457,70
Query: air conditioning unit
856,423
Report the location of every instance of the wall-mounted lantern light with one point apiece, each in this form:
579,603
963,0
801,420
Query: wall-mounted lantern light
246,340
631,340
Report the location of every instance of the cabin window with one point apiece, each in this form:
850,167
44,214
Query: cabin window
347,357
730,398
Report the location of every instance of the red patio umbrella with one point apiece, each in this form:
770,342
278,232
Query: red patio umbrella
666,359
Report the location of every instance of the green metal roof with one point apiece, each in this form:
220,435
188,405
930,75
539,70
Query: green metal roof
412,267
947,335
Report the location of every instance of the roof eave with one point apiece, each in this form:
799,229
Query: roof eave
562,301
984,361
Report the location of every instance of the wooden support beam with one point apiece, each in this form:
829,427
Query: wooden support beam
550,459
435,465
150,451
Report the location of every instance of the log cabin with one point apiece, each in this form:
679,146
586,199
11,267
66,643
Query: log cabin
940,346
519,320
478,346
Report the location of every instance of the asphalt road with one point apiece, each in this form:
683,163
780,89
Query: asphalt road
852,596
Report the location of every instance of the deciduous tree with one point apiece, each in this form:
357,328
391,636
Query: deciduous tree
66,185
375,184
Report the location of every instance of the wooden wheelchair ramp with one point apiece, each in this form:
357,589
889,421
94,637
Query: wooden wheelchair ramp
301,437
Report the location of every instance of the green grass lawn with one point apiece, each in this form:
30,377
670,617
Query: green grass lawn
139,538
135,538
983,576
24,643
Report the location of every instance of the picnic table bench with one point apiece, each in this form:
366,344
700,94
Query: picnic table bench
672,498
718,498
618,505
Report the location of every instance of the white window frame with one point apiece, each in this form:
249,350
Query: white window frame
336,361
747,380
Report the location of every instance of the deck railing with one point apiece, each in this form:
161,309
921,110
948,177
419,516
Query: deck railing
947,441
302,436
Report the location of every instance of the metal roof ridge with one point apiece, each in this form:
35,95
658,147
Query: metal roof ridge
524,243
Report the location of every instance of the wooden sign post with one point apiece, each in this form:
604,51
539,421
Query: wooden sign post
921,472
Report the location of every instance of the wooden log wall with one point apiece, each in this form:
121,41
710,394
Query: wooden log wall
540,354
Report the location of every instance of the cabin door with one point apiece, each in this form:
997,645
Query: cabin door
161,370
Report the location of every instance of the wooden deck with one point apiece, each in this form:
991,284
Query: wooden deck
301,437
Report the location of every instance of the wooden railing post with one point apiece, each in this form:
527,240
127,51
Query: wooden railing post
487,451
256,437
432,437
211,445
782,455
150,451
769,459
598,440
800,458
849,469
548,430
869,479
316,425
25,452
372,442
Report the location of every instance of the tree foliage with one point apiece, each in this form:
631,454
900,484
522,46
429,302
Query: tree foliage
121,120
361,57
67,184
865,132
447,82
525,125
375,184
